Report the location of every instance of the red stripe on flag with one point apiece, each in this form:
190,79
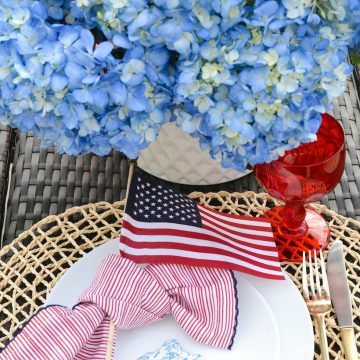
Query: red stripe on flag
236,217
217,232
215,226
194,248
173,259
239,225
199,236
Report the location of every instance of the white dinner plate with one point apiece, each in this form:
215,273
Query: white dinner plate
273,322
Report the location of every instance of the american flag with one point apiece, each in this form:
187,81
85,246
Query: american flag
161,225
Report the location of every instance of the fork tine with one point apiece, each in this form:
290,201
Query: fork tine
317,304
326,289
312,285
305,284
317,277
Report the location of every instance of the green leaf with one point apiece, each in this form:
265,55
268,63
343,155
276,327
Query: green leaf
355,58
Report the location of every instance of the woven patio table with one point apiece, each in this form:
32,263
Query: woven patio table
45,183
5,151
33,263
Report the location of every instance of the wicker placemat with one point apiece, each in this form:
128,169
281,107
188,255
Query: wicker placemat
33,263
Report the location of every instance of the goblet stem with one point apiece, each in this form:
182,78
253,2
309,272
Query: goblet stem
294,223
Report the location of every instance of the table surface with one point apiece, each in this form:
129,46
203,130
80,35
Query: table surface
34,262
44,182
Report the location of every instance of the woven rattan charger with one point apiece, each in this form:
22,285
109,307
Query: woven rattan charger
34,262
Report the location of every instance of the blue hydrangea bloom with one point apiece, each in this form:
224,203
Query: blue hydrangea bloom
57,82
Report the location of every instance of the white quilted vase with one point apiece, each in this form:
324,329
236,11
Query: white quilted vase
175,156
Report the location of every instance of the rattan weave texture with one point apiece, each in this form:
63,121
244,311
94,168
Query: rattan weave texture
33,263
357,77
5,151
47,183
345,199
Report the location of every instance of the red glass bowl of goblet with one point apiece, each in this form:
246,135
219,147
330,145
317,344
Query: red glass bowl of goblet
303,175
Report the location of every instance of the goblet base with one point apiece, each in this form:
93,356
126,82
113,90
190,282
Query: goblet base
315,235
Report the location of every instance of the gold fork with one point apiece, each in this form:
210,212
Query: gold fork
317,297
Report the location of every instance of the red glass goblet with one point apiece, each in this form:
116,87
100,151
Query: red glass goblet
303,175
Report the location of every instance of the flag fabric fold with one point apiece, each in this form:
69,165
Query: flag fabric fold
202,300
163,226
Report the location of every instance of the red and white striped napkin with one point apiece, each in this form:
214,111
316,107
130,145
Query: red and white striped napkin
202,300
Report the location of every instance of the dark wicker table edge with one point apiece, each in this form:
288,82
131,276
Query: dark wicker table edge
45,183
